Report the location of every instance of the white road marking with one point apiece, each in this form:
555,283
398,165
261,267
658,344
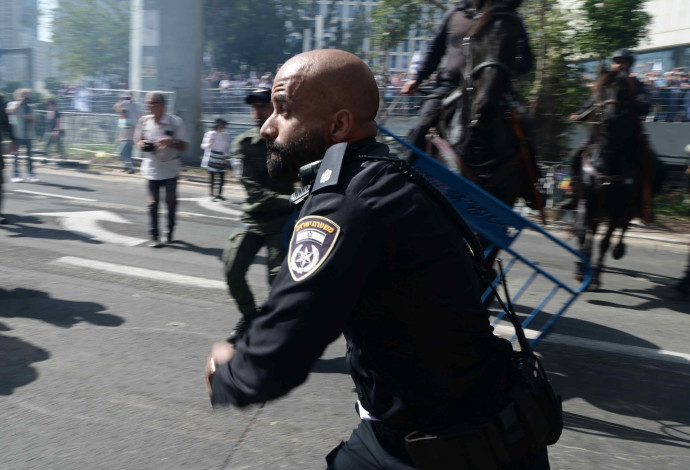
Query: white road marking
86,223
502,330
181,279
195,214
208,204
38,193
604,346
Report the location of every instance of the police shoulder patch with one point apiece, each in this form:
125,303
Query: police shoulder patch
312,241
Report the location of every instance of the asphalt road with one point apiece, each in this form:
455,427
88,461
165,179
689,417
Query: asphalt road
103,343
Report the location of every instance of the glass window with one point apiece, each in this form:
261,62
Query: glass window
655,61
685,58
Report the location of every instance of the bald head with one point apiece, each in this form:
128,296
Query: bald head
320,98
334,80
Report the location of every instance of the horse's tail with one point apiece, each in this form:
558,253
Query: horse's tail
529,163
651,173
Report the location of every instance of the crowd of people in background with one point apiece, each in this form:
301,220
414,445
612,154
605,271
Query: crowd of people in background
669,91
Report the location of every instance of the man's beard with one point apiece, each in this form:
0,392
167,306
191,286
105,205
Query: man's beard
284,161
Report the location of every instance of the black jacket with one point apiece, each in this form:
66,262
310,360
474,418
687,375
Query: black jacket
374,257
448,42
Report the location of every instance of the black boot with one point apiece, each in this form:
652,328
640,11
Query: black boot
241,326
683,288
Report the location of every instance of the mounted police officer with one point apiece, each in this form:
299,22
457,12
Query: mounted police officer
623,61
376,257
448,42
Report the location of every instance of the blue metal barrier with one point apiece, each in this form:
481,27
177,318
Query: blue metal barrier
500,225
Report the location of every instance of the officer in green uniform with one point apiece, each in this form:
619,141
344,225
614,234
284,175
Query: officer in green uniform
266,211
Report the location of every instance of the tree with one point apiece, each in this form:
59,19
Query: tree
608,25
52,84
92,37
359,29
556,88
247,33
392,21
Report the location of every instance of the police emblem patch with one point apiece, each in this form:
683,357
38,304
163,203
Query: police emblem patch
326,176
312,241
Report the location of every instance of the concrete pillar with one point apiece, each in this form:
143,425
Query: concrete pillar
165,54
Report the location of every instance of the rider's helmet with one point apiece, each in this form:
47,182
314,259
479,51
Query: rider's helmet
624,54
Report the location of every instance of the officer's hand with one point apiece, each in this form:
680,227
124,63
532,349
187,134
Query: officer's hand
221,353
573,117
409,88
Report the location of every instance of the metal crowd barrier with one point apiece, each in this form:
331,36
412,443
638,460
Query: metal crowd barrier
540,286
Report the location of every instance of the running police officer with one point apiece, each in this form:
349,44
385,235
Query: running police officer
374,256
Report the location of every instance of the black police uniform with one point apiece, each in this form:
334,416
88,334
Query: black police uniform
373,256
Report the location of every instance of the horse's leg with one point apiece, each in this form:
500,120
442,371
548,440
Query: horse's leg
603,248
586,224
619,249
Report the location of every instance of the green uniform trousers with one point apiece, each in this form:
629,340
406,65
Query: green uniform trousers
239,253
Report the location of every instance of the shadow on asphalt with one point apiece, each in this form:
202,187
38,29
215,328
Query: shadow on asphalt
29,226
16,357
38,305
659,295
646,389
186,246
584,329
44,184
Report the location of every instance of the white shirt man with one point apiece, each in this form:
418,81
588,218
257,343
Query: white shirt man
162,138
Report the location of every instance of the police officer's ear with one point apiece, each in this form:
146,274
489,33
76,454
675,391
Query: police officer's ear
342,125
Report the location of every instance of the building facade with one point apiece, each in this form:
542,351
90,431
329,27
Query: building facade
668,44
24,58
336,20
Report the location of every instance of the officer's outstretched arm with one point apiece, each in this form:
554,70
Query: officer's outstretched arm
333,252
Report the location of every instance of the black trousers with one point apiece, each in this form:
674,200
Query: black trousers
429,114
212,181
154,187
372,448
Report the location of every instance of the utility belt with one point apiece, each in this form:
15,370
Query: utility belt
530,421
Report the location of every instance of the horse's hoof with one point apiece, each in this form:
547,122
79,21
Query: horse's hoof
595,285
619,251
579,271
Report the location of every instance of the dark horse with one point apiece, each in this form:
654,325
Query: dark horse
484,131
618,168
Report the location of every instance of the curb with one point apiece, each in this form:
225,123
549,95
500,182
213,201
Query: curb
633,232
